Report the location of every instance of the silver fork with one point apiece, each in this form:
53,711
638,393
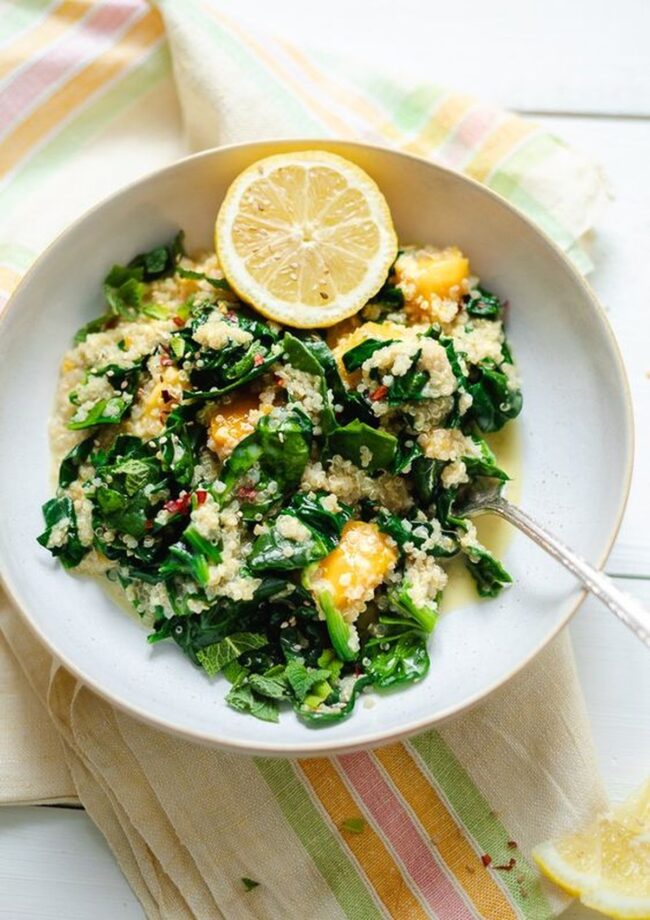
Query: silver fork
486,499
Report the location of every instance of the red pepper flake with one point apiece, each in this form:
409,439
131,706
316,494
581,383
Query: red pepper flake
509,866
165,361
258,359
379,393
148,525
246,493
201,496
278,381
486,859
512,844
180,505
178,321
166,395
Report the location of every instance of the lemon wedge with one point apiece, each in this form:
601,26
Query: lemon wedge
306,238
608,865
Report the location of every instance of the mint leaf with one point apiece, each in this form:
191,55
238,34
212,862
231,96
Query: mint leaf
267,686
249,883
136,474
243,699
214,657
302,679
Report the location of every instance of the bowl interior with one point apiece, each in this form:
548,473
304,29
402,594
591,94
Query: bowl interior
575,433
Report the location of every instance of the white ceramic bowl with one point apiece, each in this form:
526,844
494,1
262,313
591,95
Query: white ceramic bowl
576,432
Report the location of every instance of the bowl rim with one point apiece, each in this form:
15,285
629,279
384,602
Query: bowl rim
377,738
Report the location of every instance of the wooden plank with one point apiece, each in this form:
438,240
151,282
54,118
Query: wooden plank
553,56
55,865
620,247
613,668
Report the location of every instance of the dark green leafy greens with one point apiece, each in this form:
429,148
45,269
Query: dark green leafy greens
155,505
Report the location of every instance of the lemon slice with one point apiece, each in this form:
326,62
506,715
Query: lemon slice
306,238
608,864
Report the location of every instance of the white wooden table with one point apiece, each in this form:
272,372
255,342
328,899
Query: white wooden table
581,69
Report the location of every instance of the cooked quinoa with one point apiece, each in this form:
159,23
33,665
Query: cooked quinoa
281,504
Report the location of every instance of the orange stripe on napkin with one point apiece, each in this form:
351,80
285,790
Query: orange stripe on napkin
347,96
497,145
29,43
108,65
281,73
452,845
380,868
442,121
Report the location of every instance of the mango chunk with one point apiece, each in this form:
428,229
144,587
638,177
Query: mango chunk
164,394
232,423
424,274
354,570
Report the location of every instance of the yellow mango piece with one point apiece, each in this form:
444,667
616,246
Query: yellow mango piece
163,395
431,273
232,423
355,569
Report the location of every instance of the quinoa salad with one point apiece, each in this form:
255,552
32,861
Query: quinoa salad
281,503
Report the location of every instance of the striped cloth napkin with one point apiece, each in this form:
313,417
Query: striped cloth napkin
93,94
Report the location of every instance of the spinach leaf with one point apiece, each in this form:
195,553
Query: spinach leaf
99,324
488,573
322,353
480,302
179,444
355,357
310,511
400,599
445,510
405,530
299,355
218,283
160,261
272,551
405,660
405,455
108,410
130,477
285,440
348,441
213,658
337,708
425,476
493,401
245,456
238,373
75,458
343,635
408,387
486,464
184,561
61,529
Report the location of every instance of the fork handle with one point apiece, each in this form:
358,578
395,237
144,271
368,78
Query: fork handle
627,608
